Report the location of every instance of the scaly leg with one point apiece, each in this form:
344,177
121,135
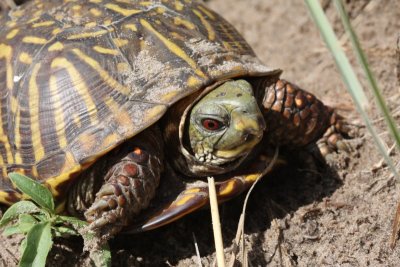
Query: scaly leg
126,187
297,118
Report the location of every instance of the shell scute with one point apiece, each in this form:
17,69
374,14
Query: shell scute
91,75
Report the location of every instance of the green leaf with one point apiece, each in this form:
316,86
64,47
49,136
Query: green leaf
26,222
76,223
23,245
64,231
11,230
38,244
38,192
17,209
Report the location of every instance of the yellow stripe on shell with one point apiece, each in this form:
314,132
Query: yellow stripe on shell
169,96
160,10
12,34
11,24
4,196
124,1
6,53
91,24
123,67
186,23
43,24
110,140
34,108
58,112
70,166
76,7
207,12
110,81
207,25
57,46
17,136
56,31
87,35
79,83
193,81
104,50
121,115
131,27
146,3
34,40
173,48
178,5
17,12
119,42
154,112
121,10
95,12
3,170
107,22
25,58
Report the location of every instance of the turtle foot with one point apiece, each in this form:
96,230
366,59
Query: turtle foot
338,136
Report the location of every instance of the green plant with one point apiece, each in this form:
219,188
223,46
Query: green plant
37,219
354,86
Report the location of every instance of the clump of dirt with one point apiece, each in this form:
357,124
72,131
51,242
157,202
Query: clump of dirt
340,214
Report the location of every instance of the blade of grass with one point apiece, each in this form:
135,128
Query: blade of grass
379,101
347,72
368,73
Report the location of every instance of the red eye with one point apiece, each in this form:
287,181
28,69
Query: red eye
211,124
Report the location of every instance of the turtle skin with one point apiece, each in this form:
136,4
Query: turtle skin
87,84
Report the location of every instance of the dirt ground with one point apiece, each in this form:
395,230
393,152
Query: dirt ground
339,216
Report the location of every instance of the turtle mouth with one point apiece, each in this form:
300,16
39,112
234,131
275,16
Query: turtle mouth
236,152
212,159
230,156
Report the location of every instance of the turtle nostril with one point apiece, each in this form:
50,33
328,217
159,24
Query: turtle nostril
248,136
261,122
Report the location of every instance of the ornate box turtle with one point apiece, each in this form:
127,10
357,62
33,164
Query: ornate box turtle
101,99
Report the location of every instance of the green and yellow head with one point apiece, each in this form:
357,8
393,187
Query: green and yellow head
225,124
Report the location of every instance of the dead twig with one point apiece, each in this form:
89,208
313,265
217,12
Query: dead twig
219,245
197,250
239,239
396,228
381,163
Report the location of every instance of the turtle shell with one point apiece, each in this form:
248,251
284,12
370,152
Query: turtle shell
79,78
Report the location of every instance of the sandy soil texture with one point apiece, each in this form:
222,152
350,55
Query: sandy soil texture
339,215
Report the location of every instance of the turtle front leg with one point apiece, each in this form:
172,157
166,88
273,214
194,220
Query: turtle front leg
297,118
128,186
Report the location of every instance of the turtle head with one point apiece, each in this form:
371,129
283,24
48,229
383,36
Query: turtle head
225,124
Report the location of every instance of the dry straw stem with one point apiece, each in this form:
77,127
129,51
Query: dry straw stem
219,246
240,230
197,250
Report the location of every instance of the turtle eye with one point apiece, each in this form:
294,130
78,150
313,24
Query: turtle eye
212,124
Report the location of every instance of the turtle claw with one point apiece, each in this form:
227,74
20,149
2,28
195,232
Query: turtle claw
336,137
96,207
106,213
